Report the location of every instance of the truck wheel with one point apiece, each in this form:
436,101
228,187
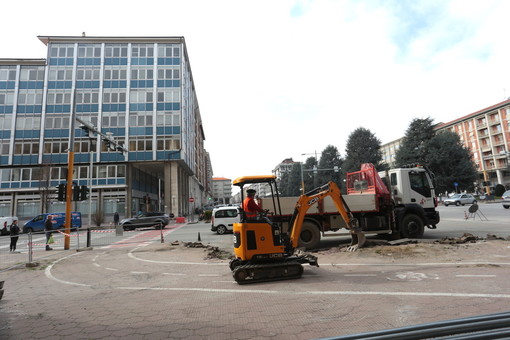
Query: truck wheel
310,235
221,230
412,226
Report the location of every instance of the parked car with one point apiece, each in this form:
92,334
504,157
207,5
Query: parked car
5,229
159,220
58,220
506,199
460,199
223,219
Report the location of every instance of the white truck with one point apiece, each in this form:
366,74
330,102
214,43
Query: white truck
400,202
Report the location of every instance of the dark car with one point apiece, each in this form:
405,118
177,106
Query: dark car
157,220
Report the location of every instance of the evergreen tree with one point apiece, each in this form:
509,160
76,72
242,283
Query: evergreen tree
450,162
294,184
330,158
362,147
308,175
283,185
414,144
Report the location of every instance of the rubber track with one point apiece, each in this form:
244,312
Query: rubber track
261,268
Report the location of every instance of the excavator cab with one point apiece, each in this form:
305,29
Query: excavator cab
259,239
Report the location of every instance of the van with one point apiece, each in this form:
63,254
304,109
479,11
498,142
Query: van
223,219
5,229
58,220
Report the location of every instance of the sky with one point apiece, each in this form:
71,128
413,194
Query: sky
279,79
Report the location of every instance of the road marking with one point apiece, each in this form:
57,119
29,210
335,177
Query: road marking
49,275
138,273
113,269
474,275
174,274
284,292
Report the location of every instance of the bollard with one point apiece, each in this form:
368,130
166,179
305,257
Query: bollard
119,230
199,239
88,237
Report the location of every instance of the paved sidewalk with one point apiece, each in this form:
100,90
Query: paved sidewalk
171,292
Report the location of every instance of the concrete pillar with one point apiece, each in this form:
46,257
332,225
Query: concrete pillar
171,188
501,180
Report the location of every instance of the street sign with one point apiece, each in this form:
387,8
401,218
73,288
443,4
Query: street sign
191,199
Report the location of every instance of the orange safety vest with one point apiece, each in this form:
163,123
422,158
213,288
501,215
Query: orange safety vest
249,213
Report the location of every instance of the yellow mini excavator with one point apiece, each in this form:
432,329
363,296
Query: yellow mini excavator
265,252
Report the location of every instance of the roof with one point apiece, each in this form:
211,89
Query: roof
113,39
253,179
474,114
19,61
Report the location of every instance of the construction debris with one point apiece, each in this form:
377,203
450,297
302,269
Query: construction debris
467,237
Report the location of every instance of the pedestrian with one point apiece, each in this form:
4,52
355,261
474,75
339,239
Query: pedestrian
14,235
116,218
48,227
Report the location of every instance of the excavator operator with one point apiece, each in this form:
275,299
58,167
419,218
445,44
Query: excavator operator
250,207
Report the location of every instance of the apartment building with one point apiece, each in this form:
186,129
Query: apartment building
222,190
487,135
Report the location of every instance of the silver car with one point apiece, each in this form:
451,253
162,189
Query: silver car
506,199
460,199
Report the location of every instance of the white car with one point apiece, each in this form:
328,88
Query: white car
223,219
460,199
506,199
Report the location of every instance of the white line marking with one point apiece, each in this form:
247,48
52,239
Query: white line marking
174,274
49,275
137,273
113,269
258,291
474,275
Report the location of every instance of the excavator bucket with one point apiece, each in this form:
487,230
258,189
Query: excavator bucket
357,241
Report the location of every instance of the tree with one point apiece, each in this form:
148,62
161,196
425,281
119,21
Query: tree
330,158
451,162
308,175
414,144
290,182
362,147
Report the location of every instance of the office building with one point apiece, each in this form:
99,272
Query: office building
138,91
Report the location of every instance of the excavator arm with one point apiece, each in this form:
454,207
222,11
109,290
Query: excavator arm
307,200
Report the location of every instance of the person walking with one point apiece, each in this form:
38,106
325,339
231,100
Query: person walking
116,219
48,228
14,235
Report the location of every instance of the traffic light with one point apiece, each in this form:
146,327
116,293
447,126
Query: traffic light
61,192
84,193
76,192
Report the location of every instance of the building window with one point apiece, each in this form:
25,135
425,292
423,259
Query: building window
142,50
58,98
7,73
30,97
113,120
169,73
28,122
140,144
89,51
57,122
6,98
55,146
55,74
91,97
31,73
138,119
168,143
141,96
168,50
62,51
87,74
169,95
142,74
26,147
114,51
115,74
168,118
